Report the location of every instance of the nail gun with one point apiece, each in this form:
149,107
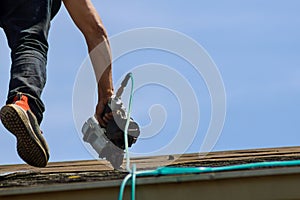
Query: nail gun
108,141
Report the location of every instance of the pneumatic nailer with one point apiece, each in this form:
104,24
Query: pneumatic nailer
108,141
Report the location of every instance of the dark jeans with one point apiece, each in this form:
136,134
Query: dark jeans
26,24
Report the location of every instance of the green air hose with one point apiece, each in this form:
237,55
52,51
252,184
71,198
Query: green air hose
127,124
162,171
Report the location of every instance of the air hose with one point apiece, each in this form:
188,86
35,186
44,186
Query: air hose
163,171
128,120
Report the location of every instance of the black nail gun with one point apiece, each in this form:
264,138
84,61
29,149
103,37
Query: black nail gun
109,141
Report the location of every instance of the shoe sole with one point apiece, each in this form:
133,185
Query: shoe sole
29,146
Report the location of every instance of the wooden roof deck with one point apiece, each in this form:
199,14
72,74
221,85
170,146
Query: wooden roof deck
12,176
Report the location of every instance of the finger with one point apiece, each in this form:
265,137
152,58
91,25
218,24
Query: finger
107,118
101,122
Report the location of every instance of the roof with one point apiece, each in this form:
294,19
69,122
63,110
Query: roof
91,174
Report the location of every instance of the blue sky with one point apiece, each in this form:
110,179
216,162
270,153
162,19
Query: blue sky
255,45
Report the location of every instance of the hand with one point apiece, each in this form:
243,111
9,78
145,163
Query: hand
103,118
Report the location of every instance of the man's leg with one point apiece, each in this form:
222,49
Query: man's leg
26,24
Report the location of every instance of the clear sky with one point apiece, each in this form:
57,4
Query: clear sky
255,45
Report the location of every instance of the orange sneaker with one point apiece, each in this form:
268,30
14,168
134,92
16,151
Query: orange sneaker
20,121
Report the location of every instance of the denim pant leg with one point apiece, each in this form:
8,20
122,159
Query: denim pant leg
26,24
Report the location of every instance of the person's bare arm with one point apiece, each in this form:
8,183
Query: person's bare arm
88,21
